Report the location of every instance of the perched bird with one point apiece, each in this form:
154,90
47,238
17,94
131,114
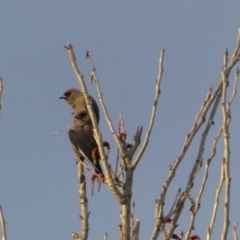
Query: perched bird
81,137
81,133
76,100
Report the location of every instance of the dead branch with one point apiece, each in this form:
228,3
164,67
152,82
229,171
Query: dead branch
153,114
3,224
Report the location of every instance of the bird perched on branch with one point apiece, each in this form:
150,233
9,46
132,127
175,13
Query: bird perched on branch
81,134
82,140
76,100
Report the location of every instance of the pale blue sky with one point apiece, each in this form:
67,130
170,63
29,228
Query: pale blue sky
38,180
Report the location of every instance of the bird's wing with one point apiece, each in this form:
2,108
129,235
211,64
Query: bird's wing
83,142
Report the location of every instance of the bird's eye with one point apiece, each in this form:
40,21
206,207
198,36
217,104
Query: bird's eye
67,94
81,115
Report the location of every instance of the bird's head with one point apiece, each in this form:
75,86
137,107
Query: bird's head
70,95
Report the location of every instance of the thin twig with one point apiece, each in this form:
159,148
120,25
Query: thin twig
172,210
106,236
136,140
87,167
1,90
67,128
202,107
234,92
76,236
3,224
213,153
226,154
199,156
175,200
121,130
94,77
235,231
180,204
116,179
153,114
216,203
133,213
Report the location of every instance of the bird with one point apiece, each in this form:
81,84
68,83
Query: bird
76,100
82,140
81,133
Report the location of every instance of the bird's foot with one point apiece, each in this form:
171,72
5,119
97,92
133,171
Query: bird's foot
100,177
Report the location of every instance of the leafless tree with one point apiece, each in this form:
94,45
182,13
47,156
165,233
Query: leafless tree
121,187
120,181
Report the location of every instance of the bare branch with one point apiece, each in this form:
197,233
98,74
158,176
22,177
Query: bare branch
216,202
172,210
94,77
199,156
116,179
236,52
3,224
135,231
234,92
153,114
235,231
136,140
132,213
126,208
76,236
1,90
106,236
120,126
196,126
83,202
226,136
180,204
67,128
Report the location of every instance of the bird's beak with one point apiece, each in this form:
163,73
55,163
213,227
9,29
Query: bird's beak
63,97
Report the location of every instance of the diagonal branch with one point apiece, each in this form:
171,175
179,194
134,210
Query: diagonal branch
235,231
3,224
234,92
153,114
200,153
216,202
196,126
109,121
1,90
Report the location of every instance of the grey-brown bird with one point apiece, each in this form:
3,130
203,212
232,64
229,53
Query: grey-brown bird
81,134
76,100
81,137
